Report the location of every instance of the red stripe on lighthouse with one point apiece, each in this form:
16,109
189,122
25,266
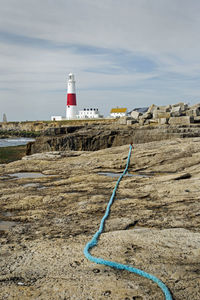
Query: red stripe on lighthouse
71,99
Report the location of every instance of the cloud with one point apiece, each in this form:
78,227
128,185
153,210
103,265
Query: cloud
141,51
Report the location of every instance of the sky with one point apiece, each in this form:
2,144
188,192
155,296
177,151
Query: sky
129,53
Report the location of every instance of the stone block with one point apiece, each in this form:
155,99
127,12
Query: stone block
146,116
197,119
178,104
176,114
185,107
131,122
164,108
152,108
153,121
163,121
195,106
176,109
168,108
194,112
123,120
141,122
186,120
135,114
189,112
159,114
182,106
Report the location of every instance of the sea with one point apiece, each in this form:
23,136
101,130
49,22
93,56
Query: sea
10,142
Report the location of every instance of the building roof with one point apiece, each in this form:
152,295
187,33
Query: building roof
118,110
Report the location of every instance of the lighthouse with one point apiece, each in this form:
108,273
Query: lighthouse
71,111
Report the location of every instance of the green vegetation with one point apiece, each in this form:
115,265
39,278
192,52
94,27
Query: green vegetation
8,154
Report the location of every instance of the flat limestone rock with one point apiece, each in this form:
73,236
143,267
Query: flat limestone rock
154,223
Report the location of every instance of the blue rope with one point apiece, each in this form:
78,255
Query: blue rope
94,241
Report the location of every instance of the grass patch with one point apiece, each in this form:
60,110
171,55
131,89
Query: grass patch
9,154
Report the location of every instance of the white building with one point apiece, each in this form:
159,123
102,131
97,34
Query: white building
118,112
57,118
89,113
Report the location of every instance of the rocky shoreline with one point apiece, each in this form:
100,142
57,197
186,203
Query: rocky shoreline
154,223
157,123
96,137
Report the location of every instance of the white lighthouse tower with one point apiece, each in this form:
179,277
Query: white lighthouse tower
71,110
